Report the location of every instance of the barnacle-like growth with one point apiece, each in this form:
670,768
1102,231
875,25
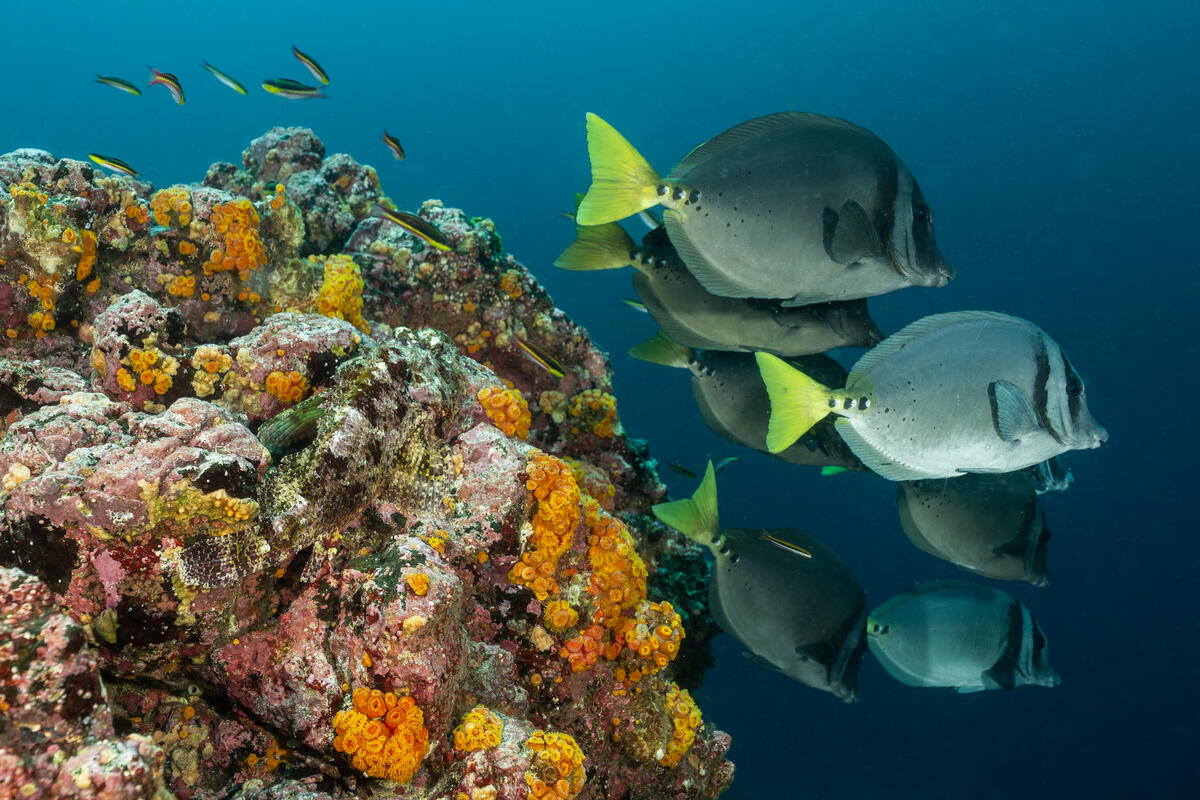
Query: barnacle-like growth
555,766
341,290
507,408
596,411
383,734
479,730
237,222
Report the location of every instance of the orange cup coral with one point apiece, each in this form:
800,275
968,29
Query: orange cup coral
383,734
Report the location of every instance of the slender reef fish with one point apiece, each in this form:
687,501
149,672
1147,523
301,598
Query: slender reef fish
313,66
292,90
414,225
394,145
223,78
119,83
170,81
115,164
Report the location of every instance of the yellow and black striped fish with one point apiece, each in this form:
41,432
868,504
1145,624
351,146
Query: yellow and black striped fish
115,164
313,66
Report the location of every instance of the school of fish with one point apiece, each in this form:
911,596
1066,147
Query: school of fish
771,238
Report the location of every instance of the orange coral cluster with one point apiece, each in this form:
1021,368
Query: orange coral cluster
558,615
383,734
480,729
290,387
618,579
279,199
556,766
151,367
237,222
510,283
596,410
558,514
582,651
685,719
341,290
87,260
646,642
174,200
182,285
507,408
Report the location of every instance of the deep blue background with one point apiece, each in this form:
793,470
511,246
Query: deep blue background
1059,150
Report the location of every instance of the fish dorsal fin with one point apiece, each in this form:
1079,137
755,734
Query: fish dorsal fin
883,465
736,135
701,268
662,349
889,346
786,546
1012,413
854,237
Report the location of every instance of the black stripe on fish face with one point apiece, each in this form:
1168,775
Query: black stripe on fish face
1040,393
1074,388
924,250
885,216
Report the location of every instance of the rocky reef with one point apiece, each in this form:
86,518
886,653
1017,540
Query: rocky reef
295,505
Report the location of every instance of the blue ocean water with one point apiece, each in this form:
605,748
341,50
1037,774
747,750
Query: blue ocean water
1057,144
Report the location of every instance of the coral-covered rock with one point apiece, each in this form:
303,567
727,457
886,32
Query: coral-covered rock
332,512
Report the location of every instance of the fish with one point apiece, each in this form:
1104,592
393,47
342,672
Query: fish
682,470
694,317
414,225
989,524
168,80
394,145
313,67
292,90
115,164
119,83
785,595
540,357
223,78
730,397
792,206
725,462
966,391
636,305
1050,476
960,635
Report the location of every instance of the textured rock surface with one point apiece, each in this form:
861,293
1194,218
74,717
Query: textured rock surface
272,468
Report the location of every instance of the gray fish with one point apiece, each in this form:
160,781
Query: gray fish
1051,475
791,600
992,525
733,402
956,634
694,317
968,391
793,206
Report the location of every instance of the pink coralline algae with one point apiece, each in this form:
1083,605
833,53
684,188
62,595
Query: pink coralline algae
260,536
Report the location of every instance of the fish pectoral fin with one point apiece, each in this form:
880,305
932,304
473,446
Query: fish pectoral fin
1012,413
854,236
1000,676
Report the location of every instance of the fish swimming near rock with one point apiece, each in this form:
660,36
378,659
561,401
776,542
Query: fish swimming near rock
960,635
311,64
414,225
112,163
290,89
169,81
732,402
694,317
792,206
229,81
120,84
394,145
789,598
992,525
967,391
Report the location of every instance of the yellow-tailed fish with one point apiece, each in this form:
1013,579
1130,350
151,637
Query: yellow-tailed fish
414,225
168,80
223,78
119,83
725,462
312,65
540,357
394,145
636,305
292,90
115,164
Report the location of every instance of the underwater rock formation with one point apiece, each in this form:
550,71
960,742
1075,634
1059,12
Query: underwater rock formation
295,505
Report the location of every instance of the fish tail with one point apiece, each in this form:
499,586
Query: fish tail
623,183
695,517
797,401
662,349
605,246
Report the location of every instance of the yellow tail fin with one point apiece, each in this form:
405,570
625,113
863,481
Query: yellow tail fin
695,517
605,246
797,401
622,182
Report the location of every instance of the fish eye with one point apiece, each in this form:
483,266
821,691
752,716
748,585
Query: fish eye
1074,387
920,213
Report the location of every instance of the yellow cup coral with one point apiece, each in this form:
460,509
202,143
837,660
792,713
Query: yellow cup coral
383,734
556,766
507,408
479,730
